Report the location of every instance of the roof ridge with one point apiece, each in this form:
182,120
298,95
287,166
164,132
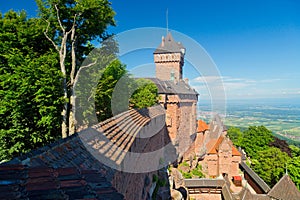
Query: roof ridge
285,181
169,45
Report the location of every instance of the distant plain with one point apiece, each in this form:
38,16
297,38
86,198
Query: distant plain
281,117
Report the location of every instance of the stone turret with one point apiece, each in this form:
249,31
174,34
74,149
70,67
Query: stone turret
169,59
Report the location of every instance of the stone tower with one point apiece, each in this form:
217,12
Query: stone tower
177,97
169,59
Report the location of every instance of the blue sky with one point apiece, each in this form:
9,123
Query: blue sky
254,44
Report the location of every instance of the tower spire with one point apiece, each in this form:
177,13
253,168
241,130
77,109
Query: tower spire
167,20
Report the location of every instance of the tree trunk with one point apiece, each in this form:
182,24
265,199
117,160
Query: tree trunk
64,113
62,50
72,78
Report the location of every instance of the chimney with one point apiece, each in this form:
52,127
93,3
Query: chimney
186,80
163,41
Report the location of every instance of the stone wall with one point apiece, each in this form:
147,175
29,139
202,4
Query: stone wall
187,126
225,157
235,165
168,63
181,119
206,196
153,137
211,165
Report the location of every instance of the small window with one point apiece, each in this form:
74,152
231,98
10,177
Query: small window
169,120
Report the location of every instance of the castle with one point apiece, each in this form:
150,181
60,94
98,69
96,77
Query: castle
80,166
180,102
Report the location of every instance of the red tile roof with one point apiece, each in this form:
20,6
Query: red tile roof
235,152
202,126
238,178
25,182
215,147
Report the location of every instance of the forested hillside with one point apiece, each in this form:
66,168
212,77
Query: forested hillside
269,156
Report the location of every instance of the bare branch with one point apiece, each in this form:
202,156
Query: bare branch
86,66
45,33
58,18
73,40
73,26
83,67
73,49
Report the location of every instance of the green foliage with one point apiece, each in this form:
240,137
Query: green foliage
30,89
295,151
235,135
91,19
105,88
146,94
91,86
187,175
159,183
294,165
155,178
256,138
270,165
71,27
268,154
185,164
198,172
252,140
293,170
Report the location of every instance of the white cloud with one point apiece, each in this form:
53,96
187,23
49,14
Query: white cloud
206,79
210,86
271,80
228,83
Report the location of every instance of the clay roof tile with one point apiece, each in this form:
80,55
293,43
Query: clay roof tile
202,126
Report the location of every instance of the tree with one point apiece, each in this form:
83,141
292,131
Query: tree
282,145
104,91
270,165
255,139
295,151
71,26
30,89
137,93
293,170
145,95
236,136
270,156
